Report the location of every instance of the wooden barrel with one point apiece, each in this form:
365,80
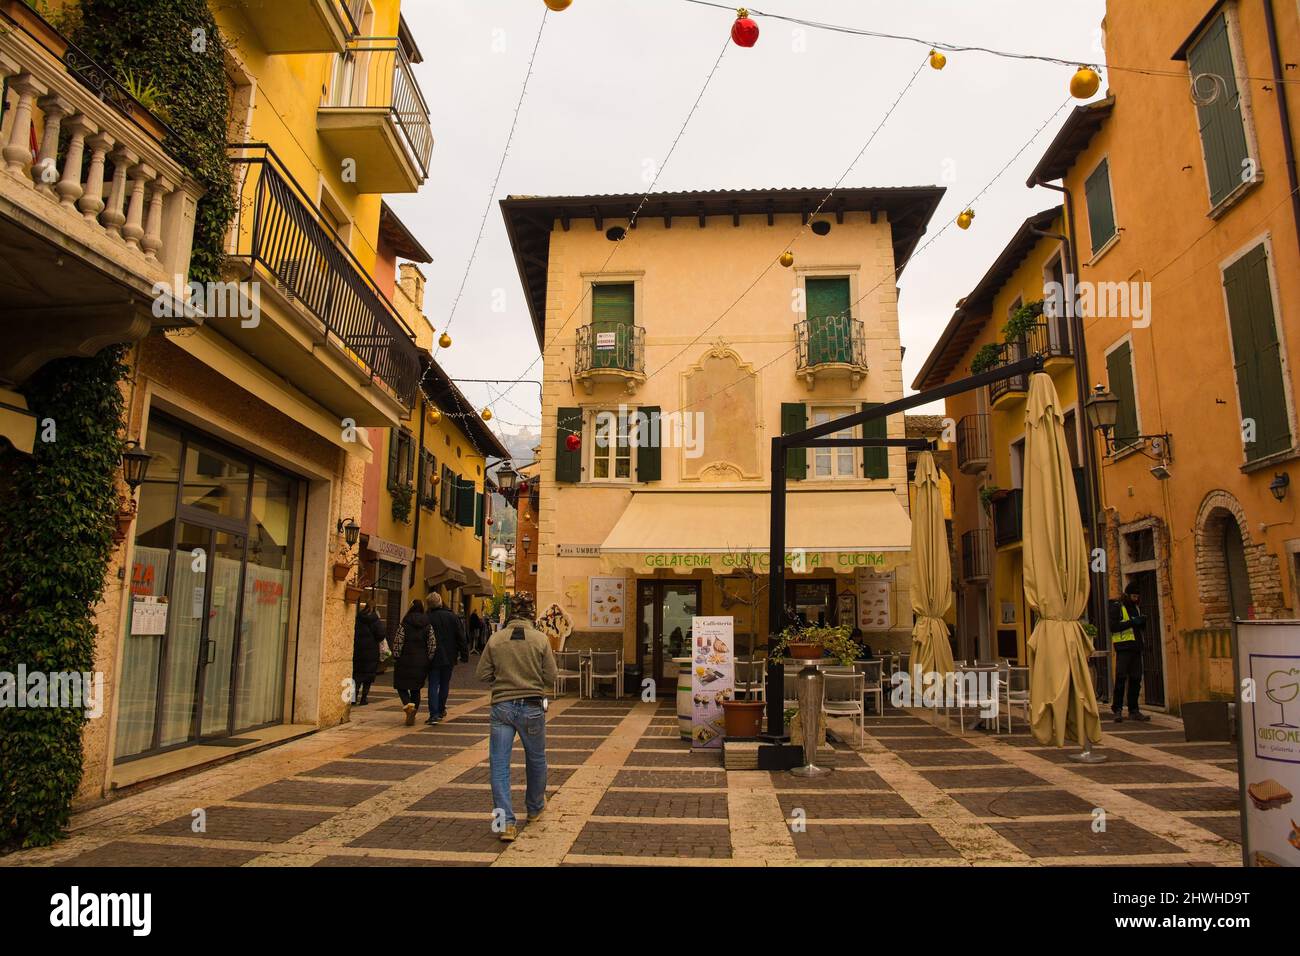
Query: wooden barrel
685,694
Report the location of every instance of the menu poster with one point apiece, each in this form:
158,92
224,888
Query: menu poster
713,678
875,602
607,603
1268,668
148,616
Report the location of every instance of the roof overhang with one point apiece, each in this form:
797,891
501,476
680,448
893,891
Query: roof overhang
1072,139
443,391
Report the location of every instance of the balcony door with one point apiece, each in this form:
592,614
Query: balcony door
613,316
348,80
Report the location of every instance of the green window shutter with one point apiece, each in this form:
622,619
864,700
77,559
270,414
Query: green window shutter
612,311
875,461
568,464
1119,370
465,502
827,297
479,515
1257,353
649,457
1101,208
393,459
1223,130
794,418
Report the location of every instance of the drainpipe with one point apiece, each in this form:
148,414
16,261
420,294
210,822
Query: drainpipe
415,533
1284,115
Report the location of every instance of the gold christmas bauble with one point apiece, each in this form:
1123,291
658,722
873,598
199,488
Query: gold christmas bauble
938,60
487,414
1085,83
444,341
965,219
787,259
558,5
435,416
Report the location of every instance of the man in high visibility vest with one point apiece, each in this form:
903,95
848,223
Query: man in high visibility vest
1127,624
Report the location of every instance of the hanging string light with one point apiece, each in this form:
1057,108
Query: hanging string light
965,219
558,6
1085,83
744,31
937,60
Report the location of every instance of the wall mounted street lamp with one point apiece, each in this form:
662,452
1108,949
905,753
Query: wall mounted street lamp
1280,483
507,478
528,541
135,466
350,530
1103,412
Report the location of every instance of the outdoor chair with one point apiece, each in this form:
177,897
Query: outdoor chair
982,698
568,666
843,698
751,679
605,665
872,682
1015,692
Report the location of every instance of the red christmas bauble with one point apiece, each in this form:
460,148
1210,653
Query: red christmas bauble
744,32
573,443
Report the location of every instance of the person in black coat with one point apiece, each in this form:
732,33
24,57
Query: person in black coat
477,632
1127,630
413,651
367,635
452,647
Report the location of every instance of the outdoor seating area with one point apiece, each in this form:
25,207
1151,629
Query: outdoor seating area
589,667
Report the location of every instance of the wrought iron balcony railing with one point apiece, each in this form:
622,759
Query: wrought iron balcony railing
976,563
831,340
1046,339
284,238
611,347
973,443
1008,518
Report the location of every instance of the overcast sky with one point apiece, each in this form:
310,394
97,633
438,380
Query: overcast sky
615,79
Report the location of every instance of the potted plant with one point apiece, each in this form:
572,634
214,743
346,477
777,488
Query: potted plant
402,496
743,718
987,357
811,642
990,494
1022,321
352,594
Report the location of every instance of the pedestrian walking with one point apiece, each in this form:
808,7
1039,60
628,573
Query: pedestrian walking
520,666
413,650
452,646
1127,629
477,633
367,637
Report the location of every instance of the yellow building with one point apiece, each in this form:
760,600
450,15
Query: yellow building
664,383
989,423
221,615
427,492
1186,218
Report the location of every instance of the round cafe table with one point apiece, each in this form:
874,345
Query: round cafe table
685,692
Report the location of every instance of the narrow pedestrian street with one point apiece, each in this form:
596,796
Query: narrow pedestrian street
624,789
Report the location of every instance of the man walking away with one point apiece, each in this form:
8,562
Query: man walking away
519,665
1127,627
476,632
452,647
413,649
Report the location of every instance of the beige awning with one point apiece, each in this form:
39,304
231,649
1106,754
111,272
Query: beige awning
476,582
440,571
723,530
17,424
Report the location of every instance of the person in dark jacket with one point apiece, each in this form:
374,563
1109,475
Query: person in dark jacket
477,632
367,635
452,647
413,651
1127,627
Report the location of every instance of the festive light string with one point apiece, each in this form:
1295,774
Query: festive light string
965,48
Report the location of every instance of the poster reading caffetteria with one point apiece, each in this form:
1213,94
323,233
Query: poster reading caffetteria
713,680
1268,661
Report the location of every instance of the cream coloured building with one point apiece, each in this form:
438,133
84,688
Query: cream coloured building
674,351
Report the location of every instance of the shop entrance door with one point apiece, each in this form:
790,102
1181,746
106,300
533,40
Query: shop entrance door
663,624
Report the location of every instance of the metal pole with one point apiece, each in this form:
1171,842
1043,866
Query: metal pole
776,594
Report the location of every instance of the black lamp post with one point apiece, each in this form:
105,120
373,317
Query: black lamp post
1103,411
135,465
350,530
507,478
1278,486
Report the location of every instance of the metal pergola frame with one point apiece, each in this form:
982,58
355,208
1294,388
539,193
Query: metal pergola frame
815,437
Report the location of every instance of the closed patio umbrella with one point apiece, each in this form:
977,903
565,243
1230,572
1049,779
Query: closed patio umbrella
931,572
1062,701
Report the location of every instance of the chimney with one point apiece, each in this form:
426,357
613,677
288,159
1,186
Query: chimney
412,283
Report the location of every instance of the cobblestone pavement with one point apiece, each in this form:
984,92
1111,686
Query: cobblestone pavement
625,790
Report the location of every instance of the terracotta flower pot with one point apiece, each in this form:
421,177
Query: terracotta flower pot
351,595
341,571
743,718
805,652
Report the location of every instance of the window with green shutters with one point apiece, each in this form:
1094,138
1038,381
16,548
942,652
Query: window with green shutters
1101,206
875,461
649,457
794,418
830,322
401,458
479,515
447,494
1119,372
613,307
1257,355
465,502
568,462
1219,109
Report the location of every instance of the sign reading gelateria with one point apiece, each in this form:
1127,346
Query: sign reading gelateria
798,561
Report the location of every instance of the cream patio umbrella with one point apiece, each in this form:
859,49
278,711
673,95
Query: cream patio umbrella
931,573
1062,701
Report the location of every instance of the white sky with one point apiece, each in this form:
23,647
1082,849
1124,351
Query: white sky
614,81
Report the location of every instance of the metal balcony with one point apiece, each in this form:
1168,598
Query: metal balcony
334,334
976,563
973,444
829,347
1048,339
1008,518
375,118
303,26
610,352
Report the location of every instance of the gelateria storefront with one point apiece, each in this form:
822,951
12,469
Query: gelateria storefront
212,586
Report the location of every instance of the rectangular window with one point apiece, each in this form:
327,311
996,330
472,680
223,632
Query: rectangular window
1119,370
1257,355
428,486
613,306
1219,110
833,462
401,459
1101,206
447,489
611,448
830,322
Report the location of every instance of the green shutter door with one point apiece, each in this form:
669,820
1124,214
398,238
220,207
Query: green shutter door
465,502
568,464
1101,209
1257,354
794,418
875,461
829,320
393,446
1119,371
1223,131
612,316
649,463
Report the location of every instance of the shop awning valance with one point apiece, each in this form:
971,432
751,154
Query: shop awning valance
476,582
720,531
441,571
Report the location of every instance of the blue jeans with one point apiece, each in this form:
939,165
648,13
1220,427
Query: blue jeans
439,686
528,719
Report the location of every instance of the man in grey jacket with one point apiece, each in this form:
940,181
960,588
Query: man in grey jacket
519,665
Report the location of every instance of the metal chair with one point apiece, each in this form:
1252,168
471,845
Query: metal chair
568,666
872,682
843,697
1015,692
605,665
979,700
